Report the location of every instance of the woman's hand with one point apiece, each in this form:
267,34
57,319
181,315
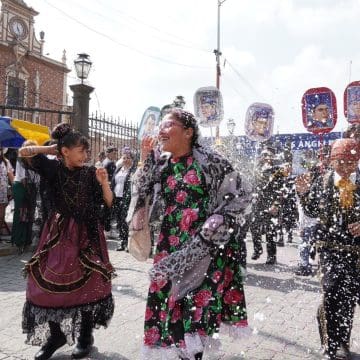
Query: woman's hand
102,176
354,229
303,183
147,144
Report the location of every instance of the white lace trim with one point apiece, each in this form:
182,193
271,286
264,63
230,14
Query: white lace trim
194,344
235,332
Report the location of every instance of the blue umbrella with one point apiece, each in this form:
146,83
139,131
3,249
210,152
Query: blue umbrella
9,137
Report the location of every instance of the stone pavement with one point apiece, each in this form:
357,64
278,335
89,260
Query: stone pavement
281,308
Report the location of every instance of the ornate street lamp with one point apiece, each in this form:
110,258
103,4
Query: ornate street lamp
179,102
82,66
231,126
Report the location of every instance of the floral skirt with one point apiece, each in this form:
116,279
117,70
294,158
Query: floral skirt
192,325
67,275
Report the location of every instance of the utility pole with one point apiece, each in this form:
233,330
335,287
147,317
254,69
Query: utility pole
218,54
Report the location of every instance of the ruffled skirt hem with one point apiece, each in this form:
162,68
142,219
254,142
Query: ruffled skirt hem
35,322
194,344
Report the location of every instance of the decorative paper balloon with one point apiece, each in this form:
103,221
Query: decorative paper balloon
149,122
259,122
319,110
352,102
208,105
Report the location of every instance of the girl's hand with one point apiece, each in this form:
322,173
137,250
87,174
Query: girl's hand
53,150
102,176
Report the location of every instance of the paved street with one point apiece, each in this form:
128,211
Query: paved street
281,308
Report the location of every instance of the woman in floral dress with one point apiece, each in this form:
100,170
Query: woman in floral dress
204,201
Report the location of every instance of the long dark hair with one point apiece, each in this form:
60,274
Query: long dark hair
189,122
65,136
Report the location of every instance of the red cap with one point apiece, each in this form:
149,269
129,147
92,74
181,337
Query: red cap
345,149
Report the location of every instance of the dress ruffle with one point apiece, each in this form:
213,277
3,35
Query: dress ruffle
35,319
194,344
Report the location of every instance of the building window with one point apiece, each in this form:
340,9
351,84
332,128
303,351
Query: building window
15,93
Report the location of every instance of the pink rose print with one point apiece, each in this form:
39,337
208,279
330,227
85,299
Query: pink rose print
174,240
188,217
148,314
170,209
182,344
171,302
163,315
201,332
218,319
156,286
176,314
233,297
220,288
160,238
197,314
202,298
216,276
151,336
189,161
171,182
241,323
191,178
160,256
228,277
181,197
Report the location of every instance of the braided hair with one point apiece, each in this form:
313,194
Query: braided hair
188,120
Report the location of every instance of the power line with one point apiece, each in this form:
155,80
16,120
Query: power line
134,19
125,45
243,79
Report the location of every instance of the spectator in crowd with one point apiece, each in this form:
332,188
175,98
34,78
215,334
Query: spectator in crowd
6,178
121,186
110,161
101,158
25,190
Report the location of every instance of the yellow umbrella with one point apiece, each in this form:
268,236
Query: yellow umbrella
30,131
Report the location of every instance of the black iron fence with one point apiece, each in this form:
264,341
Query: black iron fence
103,131
37,116
109,131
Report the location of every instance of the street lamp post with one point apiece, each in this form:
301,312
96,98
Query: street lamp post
81,94
231,126
82,66
218,54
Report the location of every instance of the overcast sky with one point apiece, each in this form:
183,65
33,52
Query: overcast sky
147,52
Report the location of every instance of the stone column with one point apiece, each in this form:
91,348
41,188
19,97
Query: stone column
81,96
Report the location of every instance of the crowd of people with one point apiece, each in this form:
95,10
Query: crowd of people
200,211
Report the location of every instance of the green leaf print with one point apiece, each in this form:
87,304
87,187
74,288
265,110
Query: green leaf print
178,168
197,188
220,263
187,325
178,216
184,237
160,295
172,231
170,218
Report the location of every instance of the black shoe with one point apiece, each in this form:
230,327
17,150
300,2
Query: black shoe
120,248
256,255
82,348
343,353
271,260
303,271
51,345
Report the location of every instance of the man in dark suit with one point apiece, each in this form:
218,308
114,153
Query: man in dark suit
334,199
